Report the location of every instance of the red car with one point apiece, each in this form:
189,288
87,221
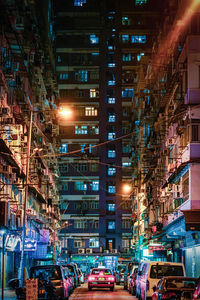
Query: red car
101,278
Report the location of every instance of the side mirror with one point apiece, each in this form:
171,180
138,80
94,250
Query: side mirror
140,273
14,283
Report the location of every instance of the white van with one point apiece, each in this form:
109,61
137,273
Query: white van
153,271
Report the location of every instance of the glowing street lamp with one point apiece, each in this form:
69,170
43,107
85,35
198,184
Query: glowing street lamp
127,189
65,112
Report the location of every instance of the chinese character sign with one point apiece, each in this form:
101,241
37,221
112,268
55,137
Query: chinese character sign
32,289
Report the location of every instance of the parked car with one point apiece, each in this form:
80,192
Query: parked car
175,287
132,281
101,278
56,275
119,274
153,271
196,294
129,267
73,273
70,278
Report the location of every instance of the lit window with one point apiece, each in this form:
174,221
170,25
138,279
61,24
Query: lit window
126,148
79,243
91,111
140,2
111,207
127,93
80,186
111,136
141,39
79,2
125,243
93,93
125,21
81,76
94,243
111,82
81,130
111,100
94,205
111,153
111,171
94,224
63,148
111,189
126,224
125,38
111,65
63,76
126,57
126,164
111,225
110,47
94,39
139,56
83,148
111,118
94,185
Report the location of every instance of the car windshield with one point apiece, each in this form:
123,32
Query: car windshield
104,271
159,271
51,273
180,283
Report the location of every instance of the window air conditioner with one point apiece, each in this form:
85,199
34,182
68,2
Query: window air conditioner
114,251
81,250
88,250
106,251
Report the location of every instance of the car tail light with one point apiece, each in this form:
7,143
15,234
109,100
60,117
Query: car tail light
147,285
91,278
111,278
195,295
168,295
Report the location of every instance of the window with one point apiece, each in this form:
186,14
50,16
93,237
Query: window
139,56
91,111
81,129
63,76
126,57
111,117
80,186
111,65
126,205
111,100
94,186
126,224
64,186
63,148
125,130
125,243
94,39
94,93
81,76
111,153
111,171
125,21
79,244
110,207
80,224
111,82
111,189
94,224
141,39
140,2
81,167
94,75
125,38
126,148
94,130
94,242
111,225
127,93
63,169
94,205
111,136
94,167
195,133
126,164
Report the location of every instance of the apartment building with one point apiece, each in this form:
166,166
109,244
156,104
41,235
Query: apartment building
99,46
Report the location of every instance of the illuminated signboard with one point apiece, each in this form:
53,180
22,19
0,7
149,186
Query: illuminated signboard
30,244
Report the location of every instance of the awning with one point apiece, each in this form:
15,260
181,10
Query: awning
179,172
192,219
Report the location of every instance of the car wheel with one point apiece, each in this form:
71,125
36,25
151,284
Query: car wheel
112,289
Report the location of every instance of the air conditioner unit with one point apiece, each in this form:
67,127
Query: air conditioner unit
88,250
114,251
106,251
81,251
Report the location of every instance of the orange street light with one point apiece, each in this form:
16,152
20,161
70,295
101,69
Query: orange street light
65,112
127,188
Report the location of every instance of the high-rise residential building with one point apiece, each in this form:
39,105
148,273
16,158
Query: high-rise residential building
99,47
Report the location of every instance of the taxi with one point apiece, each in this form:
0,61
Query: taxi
101,278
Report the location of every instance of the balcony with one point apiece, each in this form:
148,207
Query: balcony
191,152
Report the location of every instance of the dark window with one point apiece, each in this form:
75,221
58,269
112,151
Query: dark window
195,133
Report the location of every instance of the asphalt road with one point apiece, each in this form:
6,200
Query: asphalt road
119,293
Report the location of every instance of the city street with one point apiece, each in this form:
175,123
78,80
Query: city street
104,294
